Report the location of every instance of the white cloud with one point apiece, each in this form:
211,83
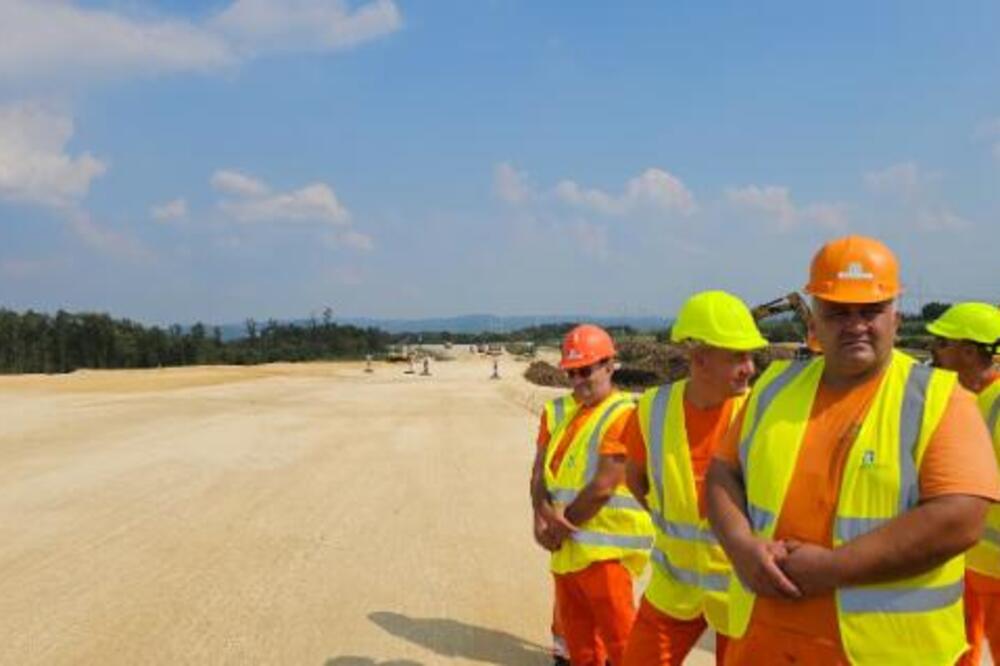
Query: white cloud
775,204
358,241
596,200
107,241
772,201
172,210
57,39
828,216
255,202
239,184
940,219
654,189
511,185
905,179
305,25
34,165
592,239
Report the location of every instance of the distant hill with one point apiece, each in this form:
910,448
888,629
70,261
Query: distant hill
475,323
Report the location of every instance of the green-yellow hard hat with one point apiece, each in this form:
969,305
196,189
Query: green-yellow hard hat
978,322
718,319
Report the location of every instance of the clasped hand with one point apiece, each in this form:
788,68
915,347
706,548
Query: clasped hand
551,526
786,569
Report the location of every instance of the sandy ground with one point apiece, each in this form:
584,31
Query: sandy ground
285,514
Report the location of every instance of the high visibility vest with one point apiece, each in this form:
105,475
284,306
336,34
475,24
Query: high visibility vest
915,620
984,557
690,570
621,530
558,409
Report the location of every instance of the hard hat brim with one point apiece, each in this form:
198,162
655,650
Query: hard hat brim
860,293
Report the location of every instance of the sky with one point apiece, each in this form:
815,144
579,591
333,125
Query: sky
214,160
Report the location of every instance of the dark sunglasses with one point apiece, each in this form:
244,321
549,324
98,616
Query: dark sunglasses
585,371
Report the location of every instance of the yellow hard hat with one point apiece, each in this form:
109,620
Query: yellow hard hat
718,319
978,322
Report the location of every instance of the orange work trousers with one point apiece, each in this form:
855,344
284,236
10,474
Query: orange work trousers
597,611
558,640
982,617
658,639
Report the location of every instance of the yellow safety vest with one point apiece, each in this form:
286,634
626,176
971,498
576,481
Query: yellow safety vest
690,569
557,409
915,620
984,557
621,530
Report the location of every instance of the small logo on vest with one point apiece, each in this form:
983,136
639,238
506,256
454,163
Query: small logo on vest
570,462
868,459
855,271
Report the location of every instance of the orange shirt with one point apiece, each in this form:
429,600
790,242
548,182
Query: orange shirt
958,460
611,444
705,427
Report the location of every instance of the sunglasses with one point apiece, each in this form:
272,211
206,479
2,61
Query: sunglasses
585,371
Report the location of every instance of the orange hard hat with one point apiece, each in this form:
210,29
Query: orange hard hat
585,345
854,269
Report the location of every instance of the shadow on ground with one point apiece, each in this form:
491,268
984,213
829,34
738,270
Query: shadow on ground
365,661
451,638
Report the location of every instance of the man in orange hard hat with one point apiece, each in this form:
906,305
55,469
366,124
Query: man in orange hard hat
966,339
850,486
598,534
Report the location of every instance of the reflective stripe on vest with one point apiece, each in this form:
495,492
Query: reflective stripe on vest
765,400
902,600
911,415
560,408
713,582
619,540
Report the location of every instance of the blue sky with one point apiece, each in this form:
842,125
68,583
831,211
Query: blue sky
180,161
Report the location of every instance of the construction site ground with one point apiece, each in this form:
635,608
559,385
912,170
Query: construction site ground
279,514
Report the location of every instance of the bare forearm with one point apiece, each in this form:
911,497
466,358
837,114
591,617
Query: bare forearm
726,498
913,543
539,493
610,474
637,482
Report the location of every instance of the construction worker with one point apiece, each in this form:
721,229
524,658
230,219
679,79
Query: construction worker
598,534
847,491
553,413
966,338
670,438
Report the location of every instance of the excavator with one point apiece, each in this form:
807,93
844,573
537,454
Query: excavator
790,302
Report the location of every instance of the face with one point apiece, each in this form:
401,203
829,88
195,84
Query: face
946,354
857,338
957,355
723,371
591,383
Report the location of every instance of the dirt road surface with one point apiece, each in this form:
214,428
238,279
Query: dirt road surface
284,514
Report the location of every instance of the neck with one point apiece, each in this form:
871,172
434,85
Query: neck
702,395
978,378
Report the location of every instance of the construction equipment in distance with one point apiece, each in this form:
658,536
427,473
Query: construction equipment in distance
795,303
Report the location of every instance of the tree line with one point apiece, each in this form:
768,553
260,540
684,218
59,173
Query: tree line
37,342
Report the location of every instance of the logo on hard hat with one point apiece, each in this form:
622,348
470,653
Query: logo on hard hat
573,354
855,271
